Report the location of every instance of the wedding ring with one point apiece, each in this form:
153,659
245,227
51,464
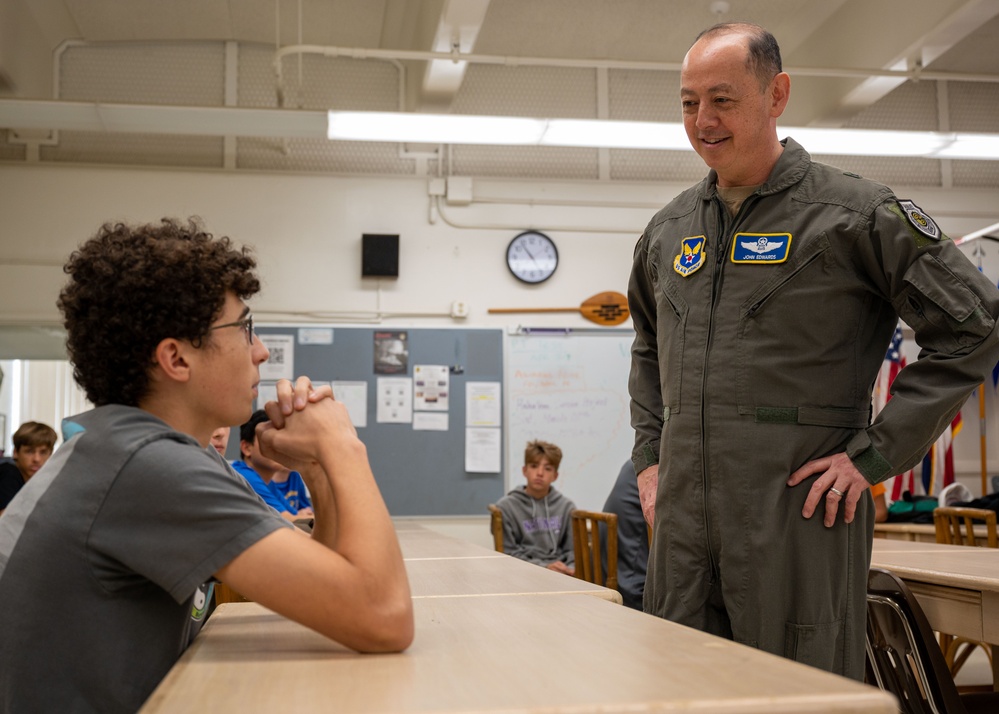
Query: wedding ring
839,493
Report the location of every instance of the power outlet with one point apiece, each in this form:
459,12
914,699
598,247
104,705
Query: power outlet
459,308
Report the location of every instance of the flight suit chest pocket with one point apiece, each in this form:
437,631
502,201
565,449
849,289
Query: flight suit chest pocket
671,321
786,324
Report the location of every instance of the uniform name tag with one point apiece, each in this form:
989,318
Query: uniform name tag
760,247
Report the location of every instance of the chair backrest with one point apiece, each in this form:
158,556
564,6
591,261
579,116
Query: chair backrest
496,524
902,652
586,544
955,525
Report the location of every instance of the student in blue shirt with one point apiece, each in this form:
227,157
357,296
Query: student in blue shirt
282,489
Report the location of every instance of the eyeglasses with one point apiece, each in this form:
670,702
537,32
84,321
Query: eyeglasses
246,323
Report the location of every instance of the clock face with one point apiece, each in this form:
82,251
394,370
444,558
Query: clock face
532,257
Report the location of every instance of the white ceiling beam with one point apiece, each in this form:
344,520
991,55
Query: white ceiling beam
919,54
457,31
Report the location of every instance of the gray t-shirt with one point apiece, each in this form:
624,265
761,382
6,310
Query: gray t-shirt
102,555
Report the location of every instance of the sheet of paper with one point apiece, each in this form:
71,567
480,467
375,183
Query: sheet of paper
482,450
281,364
430,387
395,400
430,421
354,396
482,404
315,335
265,393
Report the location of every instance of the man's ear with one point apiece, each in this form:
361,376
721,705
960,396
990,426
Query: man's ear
171,359
780,93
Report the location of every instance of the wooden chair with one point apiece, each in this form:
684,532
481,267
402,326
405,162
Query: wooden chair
224,593
586,544
496,523
955,526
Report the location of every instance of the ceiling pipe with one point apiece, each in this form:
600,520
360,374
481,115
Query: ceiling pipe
917,73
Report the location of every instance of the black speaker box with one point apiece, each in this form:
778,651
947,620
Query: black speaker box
379,255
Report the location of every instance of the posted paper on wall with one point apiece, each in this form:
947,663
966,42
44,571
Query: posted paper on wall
482,404
430,421
430,387
482,450
354,396
395,400
281,364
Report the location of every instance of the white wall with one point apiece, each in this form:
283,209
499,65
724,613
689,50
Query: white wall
307,234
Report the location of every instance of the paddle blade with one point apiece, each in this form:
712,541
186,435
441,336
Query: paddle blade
608,308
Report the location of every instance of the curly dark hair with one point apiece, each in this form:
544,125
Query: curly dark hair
131,287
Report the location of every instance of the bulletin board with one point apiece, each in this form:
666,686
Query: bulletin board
571,388
419,472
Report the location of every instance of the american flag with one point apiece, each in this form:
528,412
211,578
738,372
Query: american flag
938,465
893,364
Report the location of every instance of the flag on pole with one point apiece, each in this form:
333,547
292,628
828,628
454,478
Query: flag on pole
893,363
938,464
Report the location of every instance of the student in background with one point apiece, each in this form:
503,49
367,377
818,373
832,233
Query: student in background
220,439
536,518
632,536
265,474
33,445
105,554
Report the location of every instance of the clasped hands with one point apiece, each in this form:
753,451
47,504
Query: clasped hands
303,421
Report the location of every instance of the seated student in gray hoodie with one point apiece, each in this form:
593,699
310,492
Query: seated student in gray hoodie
536,523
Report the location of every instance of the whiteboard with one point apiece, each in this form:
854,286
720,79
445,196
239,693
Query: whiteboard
572,390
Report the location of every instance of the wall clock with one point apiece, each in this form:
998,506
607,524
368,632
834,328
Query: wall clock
532,257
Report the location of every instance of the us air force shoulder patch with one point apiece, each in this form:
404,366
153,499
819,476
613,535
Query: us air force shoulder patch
760,247
919,220
691,256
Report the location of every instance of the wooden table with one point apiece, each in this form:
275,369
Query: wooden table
957,586
532,653
441,566
920,532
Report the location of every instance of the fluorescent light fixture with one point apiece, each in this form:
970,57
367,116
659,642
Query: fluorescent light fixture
971,146
433,128
601,133
867,142
615,134
461,129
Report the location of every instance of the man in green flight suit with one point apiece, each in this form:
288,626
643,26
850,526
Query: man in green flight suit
764,299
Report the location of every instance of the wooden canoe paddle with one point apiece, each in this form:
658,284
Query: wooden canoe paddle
608,308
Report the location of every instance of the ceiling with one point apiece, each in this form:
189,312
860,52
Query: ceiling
547,58
890,64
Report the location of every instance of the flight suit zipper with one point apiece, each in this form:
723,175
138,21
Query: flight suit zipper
726,230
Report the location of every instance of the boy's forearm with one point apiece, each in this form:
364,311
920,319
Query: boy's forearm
361,529
324,527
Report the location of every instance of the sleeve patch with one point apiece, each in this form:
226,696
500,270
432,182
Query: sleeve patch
919,220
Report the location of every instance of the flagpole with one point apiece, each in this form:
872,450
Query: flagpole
981,427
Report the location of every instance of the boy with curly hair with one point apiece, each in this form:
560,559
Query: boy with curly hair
107,550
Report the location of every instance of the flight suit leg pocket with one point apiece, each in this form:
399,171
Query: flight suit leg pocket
819,645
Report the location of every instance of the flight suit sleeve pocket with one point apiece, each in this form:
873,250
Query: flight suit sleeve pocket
941,308
819,645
